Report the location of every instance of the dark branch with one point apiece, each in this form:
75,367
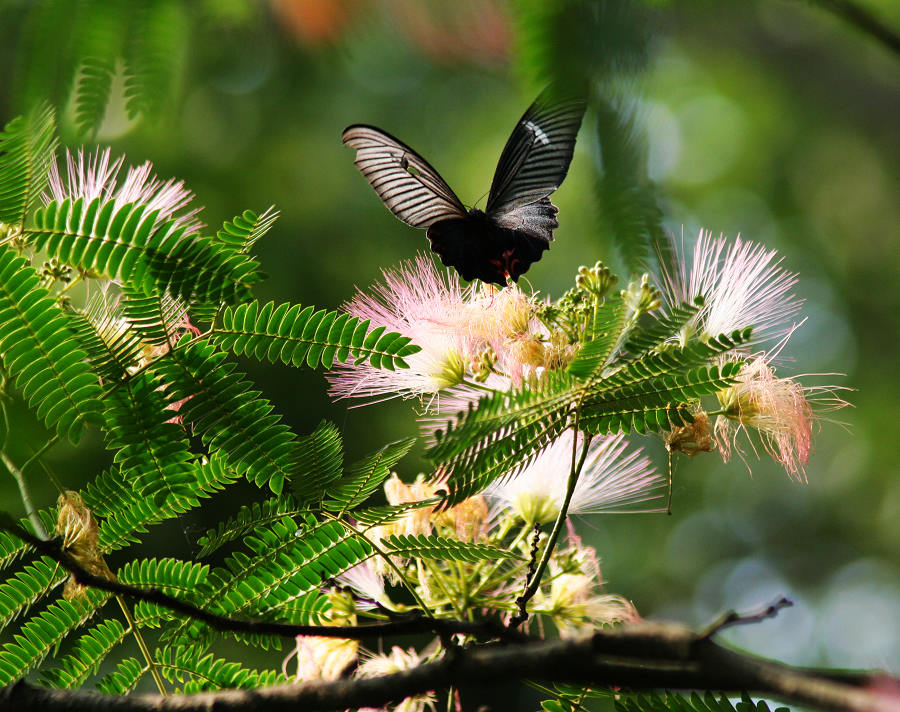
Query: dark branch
408,625
639,657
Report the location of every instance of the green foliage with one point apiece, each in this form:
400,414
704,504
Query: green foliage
86,655
129,243
242,232
72,51
123,679
196,672
365,476
277,575
294,335
626,199
443,549
247,518
671,702
156,54
151,451
101,32
27,586
39,350
111,347
232,420
156,318
27,145
505,431
320,460
605,333
43,632
131,515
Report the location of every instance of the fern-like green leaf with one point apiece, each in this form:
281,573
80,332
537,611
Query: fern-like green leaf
671,702
232,420
128,243
443,549
652,335
656,403
240,233
86,655
198,672
123,679
27,587
181,579
320,459
156,318
299,336
43,632
155,56
626,198
128,515
151,451
247,518
111,347
365,476
386,513
39,350
11,547
503,433
27,148
278,576
47,54
101,30
605,332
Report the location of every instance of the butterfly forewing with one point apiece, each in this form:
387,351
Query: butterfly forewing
537,155
406,183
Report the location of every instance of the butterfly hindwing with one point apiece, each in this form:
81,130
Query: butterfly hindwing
406,183
535,159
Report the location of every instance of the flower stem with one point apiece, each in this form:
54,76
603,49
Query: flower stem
535,581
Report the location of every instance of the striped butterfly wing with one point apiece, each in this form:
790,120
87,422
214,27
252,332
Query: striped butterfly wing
406,183
534,163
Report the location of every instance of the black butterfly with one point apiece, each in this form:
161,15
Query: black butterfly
518,222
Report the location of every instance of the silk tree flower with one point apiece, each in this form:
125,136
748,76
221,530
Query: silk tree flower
611,479
365,581
575,602
743,285
90,176
467,335
418,302
398,660
780,409
323,657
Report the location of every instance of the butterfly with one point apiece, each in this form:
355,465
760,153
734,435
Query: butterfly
503,241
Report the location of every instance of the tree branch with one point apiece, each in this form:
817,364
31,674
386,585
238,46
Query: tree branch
407,625
643,656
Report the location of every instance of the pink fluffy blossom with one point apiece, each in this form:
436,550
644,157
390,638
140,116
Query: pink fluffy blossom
612,479
743,285
90,176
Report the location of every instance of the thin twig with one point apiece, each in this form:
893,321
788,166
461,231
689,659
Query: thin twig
731,618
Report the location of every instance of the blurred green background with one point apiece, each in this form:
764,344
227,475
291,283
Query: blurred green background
775,120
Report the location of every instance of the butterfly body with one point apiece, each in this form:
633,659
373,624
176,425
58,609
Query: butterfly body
478,248
505,239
